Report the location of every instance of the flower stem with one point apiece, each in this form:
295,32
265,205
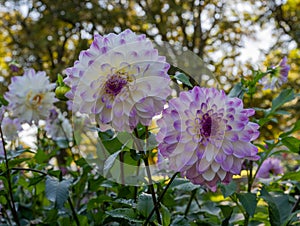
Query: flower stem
73,212
190,202
151,188
160,198
13,207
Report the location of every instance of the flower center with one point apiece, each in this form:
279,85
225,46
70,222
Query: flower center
34,101
205,123
115,83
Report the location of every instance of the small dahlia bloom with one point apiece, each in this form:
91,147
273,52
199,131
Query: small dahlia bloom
10,128
206,136
58,126
120,79
30,97
278,77
270,166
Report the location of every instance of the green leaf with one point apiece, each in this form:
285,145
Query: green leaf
291,176
292,143
279,207
57,191
3,102
35,180
186,187
60,80
294,129
183,78
237,91
124,213
145,204
166,215
285,96
110,161
52,216
110,142
228,189
62,142
249,202
16,162
227,212
41,156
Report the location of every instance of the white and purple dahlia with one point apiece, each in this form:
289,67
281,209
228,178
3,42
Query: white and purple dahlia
270,166
120,79
30,97
279,77
10,128
58,126
206,136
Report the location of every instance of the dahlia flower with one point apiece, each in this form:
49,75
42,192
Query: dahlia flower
206,136
10,128
30,97
58,126
120,79
278,77
270,166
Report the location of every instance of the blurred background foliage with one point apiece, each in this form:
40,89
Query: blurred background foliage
48,35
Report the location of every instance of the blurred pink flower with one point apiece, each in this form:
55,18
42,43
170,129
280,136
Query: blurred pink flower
58,126
278,77
270,166
206,136
10,128
120,79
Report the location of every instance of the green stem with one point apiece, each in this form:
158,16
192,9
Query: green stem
73,212
190,202
246,216
250,176
160,198
135,194
121,157
151,188
13,207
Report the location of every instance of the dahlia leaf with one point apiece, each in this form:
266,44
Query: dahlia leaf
183,78
291,176
166,215
145,204
249,202
187,187
57,191
294,129
110,161
278,206
292,143
124,213
284,97
237,91
3,101
227,212
229,189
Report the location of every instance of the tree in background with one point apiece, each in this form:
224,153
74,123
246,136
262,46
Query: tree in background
48,36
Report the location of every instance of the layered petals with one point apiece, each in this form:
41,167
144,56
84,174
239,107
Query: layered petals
206,135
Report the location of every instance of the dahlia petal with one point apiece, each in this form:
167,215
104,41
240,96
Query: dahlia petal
209,175
227,164
215,166
203,165
220,157
221,174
